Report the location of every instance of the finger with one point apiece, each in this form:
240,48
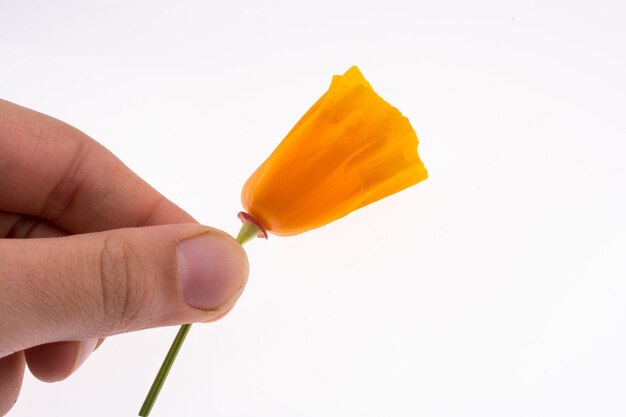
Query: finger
53,361
18,226
56,361
94,285
11,376
51,170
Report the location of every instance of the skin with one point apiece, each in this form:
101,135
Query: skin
82,252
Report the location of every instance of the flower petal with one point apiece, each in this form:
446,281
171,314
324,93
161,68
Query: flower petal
350,149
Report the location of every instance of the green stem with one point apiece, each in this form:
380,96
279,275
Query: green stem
248,232
155,389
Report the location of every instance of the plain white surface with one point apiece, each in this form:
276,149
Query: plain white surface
495,288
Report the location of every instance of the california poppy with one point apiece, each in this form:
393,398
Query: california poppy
350,149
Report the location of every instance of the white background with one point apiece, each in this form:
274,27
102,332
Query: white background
495,288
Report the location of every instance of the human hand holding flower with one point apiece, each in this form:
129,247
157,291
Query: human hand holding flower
100,260
85,252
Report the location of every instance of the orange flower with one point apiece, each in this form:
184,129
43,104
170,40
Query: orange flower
350,149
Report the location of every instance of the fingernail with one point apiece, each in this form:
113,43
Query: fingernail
212,269
100,341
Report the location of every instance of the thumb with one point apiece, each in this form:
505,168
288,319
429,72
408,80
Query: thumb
99,284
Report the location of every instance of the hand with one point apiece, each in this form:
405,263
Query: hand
105,253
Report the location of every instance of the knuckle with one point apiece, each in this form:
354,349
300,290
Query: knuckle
123,284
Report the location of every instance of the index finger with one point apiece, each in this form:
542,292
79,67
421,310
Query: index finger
51,170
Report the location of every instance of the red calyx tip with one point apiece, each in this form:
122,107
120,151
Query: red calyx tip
245,217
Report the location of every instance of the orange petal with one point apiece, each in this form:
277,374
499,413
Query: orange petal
350,149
